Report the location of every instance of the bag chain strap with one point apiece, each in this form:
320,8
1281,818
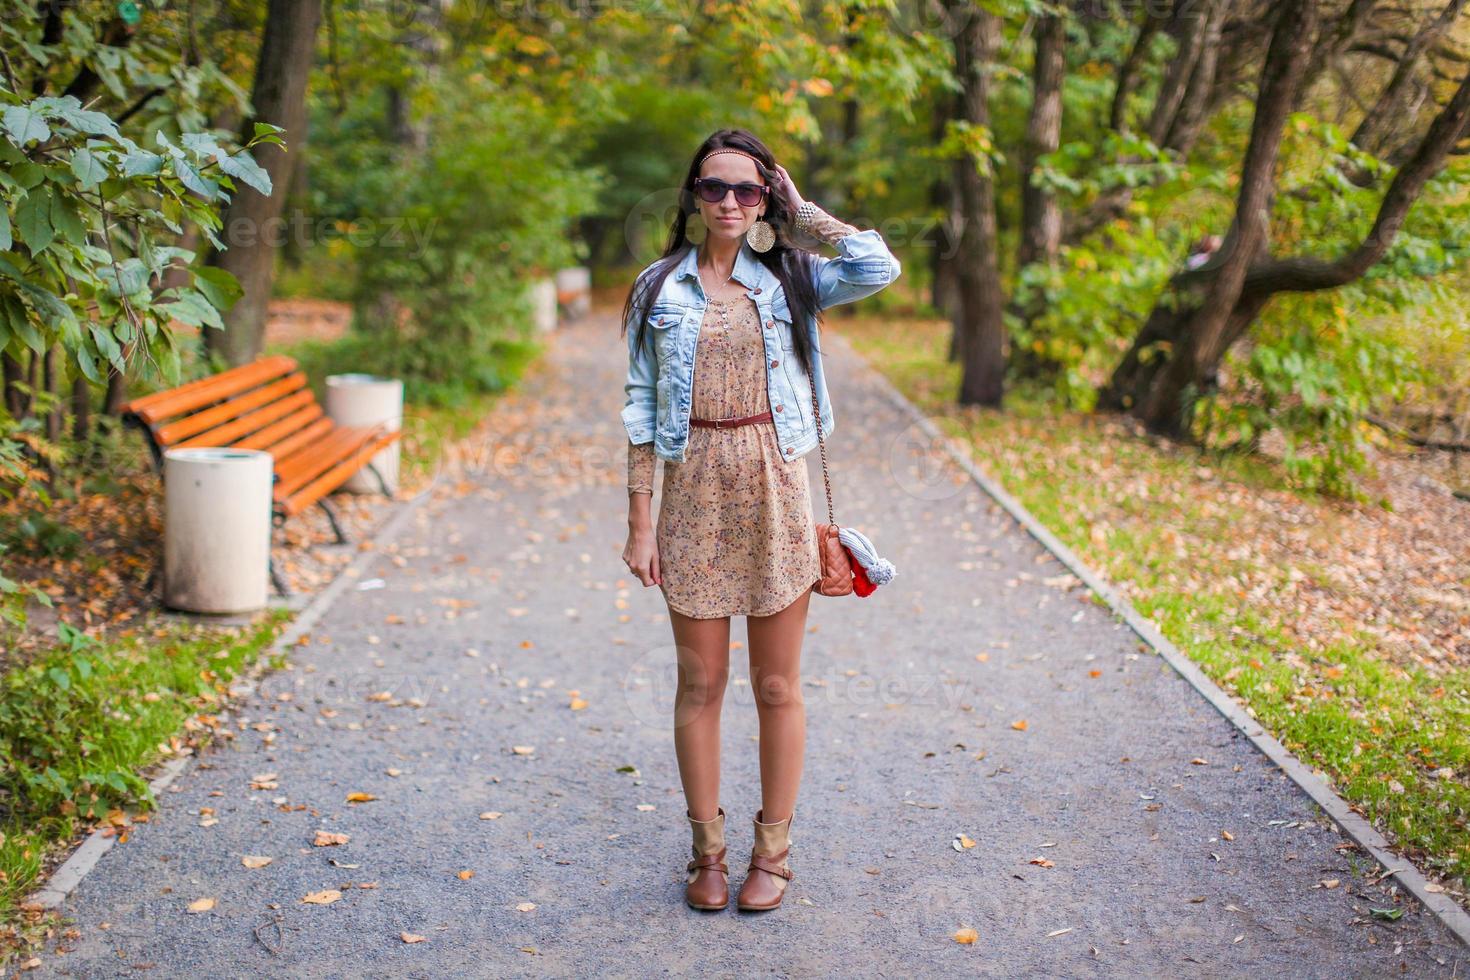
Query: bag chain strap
821,444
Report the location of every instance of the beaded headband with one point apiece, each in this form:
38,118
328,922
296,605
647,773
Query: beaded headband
760,167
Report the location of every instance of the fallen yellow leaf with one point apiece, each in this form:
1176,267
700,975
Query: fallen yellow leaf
326,897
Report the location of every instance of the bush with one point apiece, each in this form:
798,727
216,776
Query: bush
482,211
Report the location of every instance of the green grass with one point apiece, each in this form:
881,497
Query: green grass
1377,730
80,723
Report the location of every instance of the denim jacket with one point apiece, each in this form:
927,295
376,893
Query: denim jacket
660,374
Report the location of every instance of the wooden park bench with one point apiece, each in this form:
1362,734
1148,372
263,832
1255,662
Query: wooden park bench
264,405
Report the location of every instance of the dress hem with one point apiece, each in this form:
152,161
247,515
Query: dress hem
795,595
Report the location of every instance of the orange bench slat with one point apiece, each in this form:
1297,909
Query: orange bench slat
161,405
272,435
306,436
317,457
230,411
232,431
336,476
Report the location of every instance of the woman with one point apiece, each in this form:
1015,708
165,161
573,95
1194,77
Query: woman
722,363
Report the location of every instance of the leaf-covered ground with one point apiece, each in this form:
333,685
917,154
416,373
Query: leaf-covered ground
96,547
1343,627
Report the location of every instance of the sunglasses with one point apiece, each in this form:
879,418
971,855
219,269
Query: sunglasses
712,190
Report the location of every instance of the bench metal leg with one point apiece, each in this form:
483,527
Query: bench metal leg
332,516
279,581
382,483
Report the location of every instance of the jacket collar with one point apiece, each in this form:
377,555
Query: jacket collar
749,271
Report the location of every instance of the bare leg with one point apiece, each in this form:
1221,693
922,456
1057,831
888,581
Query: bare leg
704,666
775,674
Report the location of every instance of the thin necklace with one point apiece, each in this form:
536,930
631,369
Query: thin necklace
727,278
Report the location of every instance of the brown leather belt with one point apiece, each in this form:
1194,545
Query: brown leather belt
730,423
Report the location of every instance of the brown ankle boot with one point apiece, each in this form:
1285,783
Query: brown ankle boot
769,873
708,886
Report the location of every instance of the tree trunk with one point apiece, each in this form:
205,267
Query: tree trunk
981,314
1184,129
117,392
81,408
1041,217
49,381
1349,26
1130,71
1201,329
279,97
13,372
944,281
1182,346
1193,26
1183,102
28,399
1378,125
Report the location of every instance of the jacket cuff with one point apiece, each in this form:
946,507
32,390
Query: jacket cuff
868,259
638,423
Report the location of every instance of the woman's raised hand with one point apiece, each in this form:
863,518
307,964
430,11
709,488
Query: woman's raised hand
787,188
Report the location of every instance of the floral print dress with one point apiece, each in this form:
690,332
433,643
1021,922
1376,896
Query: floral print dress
735,529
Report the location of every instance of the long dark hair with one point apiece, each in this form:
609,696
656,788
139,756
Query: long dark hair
795,268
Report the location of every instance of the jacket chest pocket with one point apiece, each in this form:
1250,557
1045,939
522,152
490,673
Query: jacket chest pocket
664,320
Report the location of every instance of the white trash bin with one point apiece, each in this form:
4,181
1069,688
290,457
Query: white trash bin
366,399
543,304
574,290
216,529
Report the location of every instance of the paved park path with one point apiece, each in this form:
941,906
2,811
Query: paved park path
504,601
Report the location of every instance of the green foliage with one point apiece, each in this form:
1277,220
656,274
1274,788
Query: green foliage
90,207
80,724
483,210
47,715
1089,305
1082,170
82,208
1312,385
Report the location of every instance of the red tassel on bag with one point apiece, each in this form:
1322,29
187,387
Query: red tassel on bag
860,581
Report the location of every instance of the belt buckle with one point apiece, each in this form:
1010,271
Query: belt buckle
719,422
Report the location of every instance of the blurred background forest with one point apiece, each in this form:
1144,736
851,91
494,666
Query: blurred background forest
1049,172
1146,243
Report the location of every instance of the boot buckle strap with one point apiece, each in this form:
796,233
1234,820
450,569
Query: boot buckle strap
709,861
771,865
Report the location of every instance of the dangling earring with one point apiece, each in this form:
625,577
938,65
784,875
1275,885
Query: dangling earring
761,236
